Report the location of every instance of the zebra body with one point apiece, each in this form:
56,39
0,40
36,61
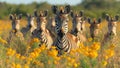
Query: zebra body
64,41
41,31
111,35
94,27
15,27
78,28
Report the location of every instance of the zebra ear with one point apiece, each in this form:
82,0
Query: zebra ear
72,14
35,13
81,13
54,9
99,20
45,12
116,17
67,8
11,17
107,17
19,16
89,20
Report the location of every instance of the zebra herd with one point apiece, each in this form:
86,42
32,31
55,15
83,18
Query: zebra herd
58,34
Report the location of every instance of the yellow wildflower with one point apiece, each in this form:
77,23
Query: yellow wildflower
26,66
109,52
18,56
75,65
18,66
95,46
13,65
36,40
22,57
43,47
104,63
90,39
56,62
106,57
93,54
3,41
53,53
10,52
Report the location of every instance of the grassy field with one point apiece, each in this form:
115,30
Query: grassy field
27,53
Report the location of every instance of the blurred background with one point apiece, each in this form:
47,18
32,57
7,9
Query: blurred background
92,8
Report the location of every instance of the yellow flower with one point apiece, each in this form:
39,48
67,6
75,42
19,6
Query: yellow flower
10,52
32,55
95,46
90,39
3,41
75,65
18,56
53,53
104,63
18,66
43,47
109,52
106,57
38,50
93,54
22,57
26,66
56,62
36,40
13,65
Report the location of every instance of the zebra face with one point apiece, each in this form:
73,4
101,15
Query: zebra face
78,22
64,23
61,19
15,21
94,27
112,24
30,20
41,20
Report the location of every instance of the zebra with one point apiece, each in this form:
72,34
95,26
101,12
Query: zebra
41,31
15,27
111,35
30,25
64,41
94,27
78,26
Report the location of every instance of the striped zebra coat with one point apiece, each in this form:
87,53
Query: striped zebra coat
15,32
78,28
42,32
65,41
111,35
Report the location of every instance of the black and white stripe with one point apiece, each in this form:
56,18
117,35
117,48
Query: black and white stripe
42,32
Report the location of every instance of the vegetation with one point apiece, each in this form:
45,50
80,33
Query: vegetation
92,8
27,53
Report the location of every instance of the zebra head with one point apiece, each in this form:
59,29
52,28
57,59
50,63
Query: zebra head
94,27
41,19
112,23
15,21
61,19
78,22
30,20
